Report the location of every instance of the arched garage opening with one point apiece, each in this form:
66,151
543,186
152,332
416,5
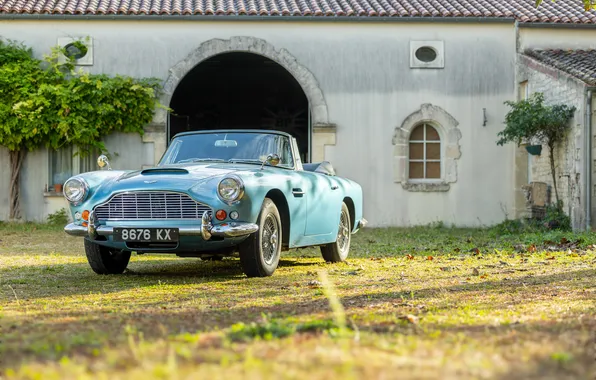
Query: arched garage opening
240,90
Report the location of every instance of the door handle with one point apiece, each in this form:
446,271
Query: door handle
297,192
334,187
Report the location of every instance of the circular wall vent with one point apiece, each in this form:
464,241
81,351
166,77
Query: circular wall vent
426,54
76,50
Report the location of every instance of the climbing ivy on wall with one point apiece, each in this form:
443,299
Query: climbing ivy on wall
47,103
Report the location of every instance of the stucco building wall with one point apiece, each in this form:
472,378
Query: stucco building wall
363,71
559,88
544,37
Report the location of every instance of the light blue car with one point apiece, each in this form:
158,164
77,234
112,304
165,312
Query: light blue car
215,193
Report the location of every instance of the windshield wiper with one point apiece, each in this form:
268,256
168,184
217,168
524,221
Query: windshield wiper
247,160
201,159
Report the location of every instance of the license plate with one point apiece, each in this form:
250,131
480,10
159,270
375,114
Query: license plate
146,235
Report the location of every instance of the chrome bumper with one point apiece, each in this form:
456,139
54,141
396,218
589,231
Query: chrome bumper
362,223
206,230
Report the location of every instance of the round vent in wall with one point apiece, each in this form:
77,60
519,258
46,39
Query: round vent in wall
426,54
76,50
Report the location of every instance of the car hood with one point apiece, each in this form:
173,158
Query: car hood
171,177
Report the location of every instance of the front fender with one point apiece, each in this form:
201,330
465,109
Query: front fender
256,187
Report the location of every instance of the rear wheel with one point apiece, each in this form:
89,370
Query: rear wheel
104,260
338,251
260,252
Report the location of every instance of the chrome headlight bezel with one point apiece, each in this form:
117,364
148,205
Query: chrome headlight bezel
84,190
238,192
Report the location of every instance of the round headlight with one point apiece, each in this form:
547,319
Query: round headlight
75,190
230,189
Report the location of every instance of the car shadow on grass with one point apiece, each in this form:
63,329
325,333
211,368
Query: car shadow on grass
38,281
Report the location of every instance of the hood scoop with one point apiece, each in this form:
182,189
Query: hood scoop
164,171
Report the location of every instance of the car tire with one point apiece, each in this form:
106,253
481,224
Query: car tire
338,251
260,252
104,260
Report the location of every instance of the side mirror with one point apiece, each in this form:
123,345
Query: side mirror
103,161
273,159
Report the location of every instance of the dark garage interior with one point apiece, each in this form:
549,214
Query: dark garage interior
241,91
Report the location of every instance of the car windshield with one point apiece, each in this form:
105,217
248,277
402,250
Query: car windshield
246,147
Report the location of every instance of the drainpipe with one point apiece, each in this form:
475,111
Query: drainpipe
589,92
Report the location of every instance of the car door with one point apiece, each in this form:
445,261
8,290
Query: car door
323,202
320,203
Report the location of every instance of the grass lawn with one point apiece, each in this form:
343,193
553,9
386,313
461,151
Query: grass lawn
421,303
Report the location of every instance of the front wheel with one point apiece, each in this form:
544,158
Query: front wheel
260,252
338,251
104,260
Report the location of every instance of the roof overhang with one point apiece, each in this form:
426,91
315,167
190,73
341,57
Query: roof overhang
236,18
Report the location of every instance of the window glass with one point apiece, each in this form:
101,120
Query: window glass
425,153
64,164
61,166
246,147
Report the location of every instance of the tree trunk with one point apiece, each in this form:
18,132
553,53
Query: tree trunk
16,161
551,151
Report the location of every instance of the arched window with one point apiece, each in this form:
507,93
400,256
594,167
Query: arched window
425,153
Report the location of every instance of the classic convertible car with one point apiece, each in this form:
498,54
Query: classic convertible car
215,193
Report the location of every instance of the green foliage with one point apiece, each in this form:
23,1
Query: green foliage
556,219
13,52
268,331
588,4
48,103
512,227
531,119
276,329
59,218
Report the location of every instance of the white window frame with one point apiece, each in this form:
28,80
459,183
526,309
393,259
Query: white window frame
450,135
424,160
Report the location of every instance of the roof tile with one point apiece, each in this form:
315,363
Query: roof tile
581,64
561,11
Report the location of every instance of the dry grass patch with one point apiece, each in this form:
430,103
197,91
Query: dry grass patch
418,303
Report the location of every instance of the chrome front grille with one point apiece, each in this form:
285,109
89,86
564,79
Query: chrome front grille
150,205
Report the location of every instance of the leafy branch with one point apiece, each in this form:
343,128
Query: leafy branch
530,119
46,103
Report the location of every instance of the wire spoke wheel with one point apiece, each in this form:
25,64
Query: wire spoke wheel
269,241
343,234
338,250
260,252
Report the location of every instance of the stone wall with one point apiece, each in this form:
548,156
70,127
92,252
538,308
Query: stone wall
569,155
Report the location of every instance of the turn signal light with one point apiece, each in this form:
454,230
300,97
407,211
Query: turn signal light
86,215
220,214
85,224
